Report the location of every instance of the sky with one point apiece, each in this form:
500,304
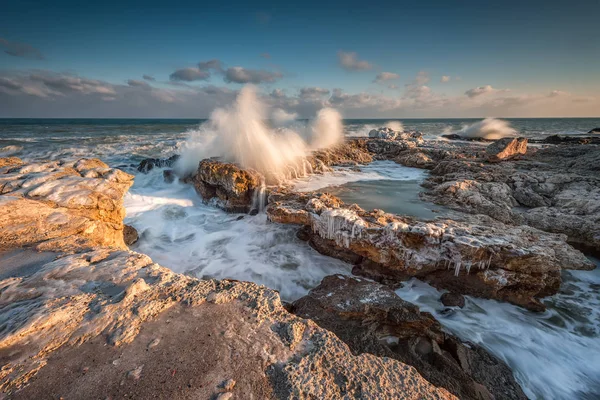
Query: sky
415,59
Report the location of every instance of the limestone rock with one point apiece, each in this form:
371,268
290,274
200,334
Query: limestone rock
515,264
62,206
371,318
506,149
232,187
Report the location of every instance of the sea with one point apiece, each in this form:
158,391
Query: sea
554,354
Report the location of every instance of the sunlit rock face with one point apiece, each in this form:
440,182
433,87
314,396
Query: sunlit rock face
506,149
371,318
518,264
62,206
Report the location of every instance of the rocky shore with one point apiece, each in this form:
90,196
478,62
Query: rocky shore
82,314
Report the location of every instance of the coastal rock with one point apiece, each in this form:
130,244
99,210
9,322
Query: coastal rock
130,235
233,188
371,318
506,149
148,164
514,264
83,311
386,149
594,130
383,133
10,161
556,189
62,206
450,299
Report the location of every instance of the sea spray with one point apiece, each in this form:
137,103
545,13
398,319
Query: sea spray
489,128
239,134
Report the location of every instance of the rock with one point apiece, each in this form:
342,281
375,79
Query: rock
232,187
10,162
454,136
371,318
148,164
514,264
386,149
135,374
556,189
62,206
383,133
557,139
130,235
453,300
169,175
506,149
228,385
224,396
594,130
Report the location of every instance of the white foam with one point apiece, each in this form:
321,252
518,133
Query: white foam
179,232
554,354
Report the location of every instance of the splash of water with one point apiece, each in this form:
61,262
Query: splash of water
489,128
239,134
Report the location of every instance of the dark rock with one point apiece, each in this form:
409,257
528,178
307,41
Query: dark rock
595,130
169,175
453,300
454,136
372,319
130,235
149,163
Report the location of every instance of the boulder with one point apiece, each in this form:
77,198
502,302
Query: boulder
514,264
62,206
506,149
130,235
450,299
371,319
148,164
229,186
594,130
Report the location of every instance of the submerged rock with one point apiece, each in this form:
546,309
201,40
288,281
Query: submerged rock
371,318
506,149
515,264
450,299
148,164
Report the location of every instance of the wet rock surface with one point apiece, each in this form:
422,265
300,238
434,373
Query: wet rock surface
371,318
450,299
149,164
65,205
516,264
506,149
100,321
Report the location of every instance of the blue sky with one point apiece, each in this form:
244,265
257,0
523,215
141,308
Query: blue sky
514,58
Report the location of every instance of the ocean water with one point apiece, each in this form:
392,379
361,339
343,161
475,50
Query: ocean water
554,355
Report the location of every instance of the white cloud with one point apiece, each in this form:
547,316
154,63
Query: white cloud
445,78
313,92
350,62
483,90
385,76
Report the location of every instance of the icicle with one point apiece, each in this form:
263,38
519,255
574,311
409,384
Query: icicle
489,260
468,267
457,268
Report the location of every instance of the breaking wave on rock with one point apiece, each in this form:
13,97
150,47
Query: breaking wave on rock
489,128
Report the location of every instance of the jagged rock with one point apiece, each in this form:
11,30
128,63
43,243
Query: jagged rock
450,299
515,264
383,133
556,189
130,235
233,188
454,136
371,318
102,306
594,130
386,149
62,206
10,161
506,149
149,163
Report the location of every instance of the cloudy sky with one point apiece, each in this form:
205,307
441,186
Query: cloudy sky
367,59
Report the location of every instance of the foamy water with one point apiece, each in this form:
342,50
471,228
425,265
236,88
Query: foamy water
553,355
